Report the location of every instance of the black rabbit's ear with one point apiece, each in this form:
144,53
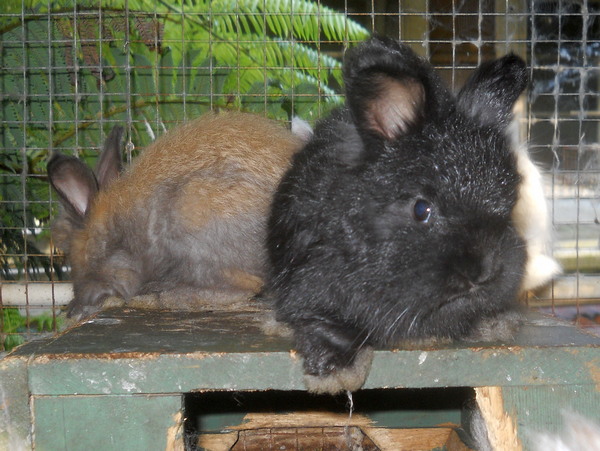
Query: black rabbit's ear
492,90
392,107
109,164
74,182
389,88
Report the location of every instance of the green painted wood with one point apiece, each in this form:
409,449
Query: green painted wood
475,367
164,374
124,352
127,331
542,409
262,371
105,422
15,417
126,368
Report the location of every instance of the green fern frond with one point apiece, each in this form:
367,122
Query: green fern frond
255,55
305,19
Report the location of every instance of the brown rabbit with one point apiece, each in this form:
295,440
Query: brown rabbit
188,218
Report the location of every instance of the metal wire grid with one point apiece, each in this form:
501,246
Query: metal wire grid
100,66
564,130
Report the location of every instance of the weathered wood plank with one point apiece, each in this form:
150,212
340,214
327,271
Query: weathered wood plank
162,352
304,426
107,422
541,409
501,427
489,366
164,374
15,416
129,332
105,370
120,332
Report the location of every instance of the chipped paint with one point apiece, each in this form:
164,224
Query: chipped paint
129,386
495,352
501,427
175,434
594,370
46,358
229,355
10,436
136,374
104,321
11,359
91,380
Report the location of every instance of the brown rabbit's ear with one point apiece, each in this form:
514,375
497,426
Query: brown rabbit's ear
74,182
109,164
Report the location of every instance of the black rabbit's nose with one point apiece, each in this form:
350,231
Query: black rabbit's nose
470,270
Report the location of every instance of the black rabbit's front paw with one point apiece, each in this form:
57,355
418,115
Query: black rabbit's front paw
335,356
343,379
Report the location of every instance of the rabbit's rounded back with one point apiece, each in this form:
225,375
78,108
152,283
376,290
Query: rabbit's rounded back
395,221
187,216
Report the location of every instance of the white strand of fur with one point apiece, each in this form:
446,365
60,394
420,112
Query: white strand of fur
579,434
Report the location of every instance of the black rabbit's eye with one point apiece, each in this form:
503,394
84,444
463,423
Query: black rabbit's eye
422,210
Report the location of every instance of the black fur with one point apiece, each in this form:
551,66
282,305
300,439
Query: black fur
353,263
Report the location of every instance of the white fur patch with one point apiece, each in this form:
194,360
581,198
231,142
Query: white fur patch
533,222
579,434
301,129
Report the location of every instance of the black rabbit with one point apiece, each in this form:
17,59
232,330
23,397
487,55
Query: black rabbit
395,220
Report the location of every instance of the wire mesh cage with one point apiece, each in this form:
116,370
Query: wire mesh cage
70,70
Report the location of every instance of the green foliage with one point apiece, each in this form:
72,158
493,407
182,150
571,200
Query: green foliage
15,326
72,70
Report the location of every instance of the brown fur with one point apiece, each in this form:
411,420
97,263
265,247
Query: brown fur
188,216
